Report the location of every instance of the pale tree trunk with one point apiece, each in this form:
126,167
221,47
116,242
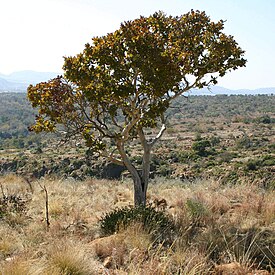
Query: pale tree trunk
140,180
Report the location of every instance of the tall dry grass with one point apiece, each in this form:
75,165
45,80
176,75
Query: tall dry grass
217,225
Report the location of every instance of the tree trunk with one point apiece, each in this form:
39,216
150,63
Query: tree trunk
139,191
140,179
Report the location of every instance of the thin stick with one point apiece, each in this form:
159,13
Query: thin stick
46,206
29,184
2,190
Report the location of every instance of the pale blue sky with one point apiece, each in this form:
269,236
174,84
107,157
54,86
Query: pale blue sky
35,34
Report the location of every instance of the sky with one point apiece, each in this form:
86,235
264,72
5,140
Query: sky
36,34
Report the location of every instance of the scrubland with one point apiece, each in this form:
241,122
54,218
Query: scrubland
219,228
214,181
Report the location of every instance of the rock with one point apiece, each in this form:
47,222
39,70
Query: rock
107,263
103,247
9,259
110,250
112,171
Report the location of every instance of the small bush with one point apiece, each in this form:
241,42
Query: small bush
197,211
252,165
268,160
200,147
11,204
244,142
215,140
155,222
69,259
164,170
226,156
265,119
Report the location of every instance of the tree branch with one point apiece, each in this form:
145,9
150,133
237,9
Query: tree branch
159,135
126,161
142,138
110,157
125,132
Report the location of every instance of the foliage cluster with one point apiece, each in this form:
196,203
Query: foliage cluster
153,221
16,115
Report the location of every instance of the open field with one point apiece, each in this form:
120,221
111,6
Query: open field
219,229
212,175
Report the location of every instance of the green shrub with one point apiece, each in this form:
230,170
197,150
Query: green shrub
196,210
215,140
244,142
265,119
255,164
155,222
268,160
164,170
226,156
252,165
200,147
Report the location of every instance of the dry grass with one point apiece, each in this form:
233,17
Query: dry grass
218,225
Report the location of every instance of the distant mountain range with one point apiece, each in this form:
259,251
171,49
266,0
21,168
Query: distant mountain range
217,90
19,81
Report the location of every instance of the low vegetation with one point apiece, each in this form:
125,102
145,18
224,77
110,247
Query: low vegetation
217,228
212,185
227,138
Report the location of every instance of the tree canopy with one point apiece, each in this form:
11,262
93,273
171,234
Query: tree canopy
123,82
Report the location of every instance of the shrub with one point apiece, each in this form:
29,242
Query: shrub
265,119
200,147
268,160
252,165
197,210
244,142
155,222
255,164
215,140
226,156
164,170
70,259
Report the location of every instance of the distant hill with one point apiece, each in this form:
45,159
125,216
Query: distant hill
30,77
10,86
19,81
217,90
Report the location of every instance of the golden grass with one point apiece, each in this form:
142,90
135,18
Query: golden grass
10,242
218,224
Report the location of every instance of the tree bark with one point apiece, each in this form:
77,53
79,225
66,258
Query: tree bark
140,180
139,192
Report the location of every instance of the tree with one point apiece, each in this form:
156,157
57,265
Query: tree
123,83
